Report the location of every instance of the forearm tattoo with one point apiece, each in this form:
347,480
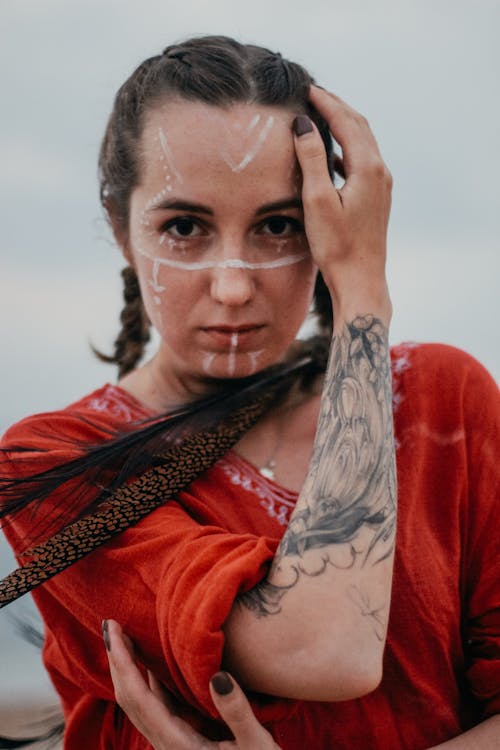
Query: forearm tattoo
347,506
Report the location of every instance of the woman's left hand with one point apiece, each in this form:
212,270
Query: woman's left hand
346,228
152,713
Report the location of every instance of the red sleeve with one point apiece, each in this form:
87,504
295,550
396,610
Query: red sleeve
181,580
481,535
170,581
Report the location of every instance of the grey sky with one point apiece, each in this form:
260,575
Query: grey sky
425,73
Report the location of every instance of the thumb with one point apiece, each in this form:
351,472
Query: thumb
234,708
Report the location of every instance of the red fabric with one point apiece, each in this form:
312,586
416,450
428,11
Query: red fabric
172,579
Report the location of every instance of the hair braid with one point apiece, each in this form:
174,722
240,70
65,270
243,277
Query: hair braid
134,334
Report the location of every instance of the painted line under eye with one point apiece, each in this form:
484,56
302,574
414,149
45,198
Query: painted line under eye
229,263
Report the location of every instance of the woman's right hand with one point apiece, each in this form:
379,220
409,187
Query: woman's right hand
152,712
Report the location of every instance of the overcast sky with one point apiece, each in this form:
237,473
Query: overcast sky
425,73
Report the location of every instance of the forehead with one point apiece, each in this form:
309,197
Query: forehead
205,141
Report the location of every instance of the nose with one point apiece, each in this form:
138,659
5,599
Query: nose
232,286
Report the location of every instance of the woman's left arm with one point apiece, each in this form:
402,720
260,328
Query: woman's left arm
315,627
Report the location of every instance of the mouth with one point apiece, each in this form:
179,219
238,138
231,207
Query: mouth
234,329
234,336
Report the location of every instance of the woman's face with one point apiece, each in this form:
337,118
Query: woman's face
216,236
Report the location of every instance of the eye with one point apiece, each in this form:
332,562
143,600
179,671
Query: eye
281,226
182,226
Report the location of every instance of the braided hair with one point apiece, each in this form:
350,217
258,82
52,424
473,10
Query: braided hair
134,333
215,70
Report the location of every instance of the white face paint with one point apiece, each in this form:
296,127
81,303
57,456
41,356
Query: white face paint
231,367
208,359
172,177
254,357
252,138
155,285
287,260
216,234
169,162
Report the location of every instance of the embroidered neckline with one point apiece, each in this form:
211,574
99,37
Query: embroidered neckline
277,501
259,478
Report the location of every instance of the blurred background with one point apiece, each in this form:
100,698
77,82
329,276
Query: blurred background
424,72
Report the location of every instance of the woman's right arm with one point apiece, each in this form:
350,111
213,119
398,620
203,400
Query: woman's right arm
315,627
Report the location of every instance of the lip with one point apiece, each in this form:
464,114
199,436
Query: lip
224,334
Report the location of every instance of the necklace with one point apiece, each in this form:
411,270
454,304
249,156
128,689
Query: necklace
269,468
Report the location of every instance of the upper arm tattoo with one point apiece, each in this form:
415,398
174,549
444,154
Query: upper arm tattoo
347,506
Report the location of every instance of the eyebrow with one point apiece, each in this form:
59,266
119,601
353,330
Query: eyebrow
280,206
179,205
199,208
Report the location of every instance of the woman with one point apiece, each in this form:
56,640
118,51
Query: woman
224,235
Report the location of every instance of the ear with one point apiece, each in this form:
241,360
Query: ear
120,230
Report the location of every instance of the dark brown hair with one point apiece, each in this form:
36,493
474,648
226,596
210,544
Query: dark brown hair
216,70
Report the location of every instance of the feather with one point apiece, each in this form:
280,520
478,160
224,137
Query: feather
106,466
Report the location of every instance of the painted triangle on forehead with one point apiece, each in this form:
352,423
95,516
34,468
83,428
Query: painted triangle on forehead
243,143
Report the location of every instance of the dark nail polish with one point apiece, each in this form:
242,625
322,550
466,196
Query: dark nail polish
222,683
105,635
302,124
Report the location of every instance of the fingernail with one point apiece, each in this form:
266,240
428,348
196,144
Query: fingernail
105,635
302,124
222,683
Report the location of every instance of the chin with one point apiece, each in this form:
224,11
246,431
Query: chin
229,366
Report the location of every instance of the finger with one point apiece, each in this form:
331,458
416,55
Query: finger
125,674
130,687
159,691
359,147
234,708
317,184
144,709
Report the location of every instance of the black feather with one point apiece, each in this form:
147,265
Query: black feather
100,469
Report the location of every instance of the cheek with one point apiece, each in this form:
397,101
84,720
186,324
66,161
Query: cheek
294,288
162,295
292,294
153,290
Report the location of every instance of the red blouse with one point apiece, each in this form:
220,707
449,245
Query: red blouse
172,579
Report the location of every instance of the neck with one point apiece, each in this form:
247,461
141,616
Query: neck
161,387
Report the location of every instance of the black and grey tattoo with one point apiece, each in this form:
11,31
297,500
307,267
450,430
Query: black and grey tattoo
361,599
347,506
